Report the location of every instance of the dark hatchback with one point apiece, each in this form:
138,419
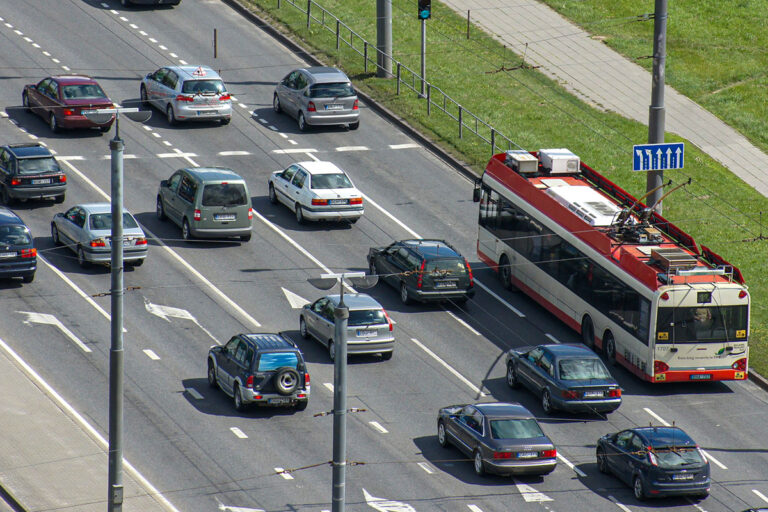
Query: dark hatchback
569,377
655,462
30,171
501,438
18,256
423,270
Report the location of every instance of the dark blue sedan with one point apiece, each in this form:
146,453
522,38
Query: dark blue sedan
18,256
569,377
655,461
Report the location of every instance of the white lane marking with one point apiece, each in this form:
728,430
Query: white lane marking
293,142
186,157
104,5
65,68
28,39
173,55
233,153
498,298
146,127
151,354
243,105
239,433
143,33
283,135
352,148
123,18
710,457
760,495
3,114
127,156
162,47
113,11
182,62
64,405
530,494
167,143
656,417
313,157
167,311
152,40
329,386
264,121
31,136
194,393
283,473
552,338
291,150
273,127
619,504
474,508
448,367
296,301
9,25
175,155
133,26
426,467
57,61
19,32
77,289
383,505
403,146
36,45
570,465
72,158
706,454
156,135
227,508
462,322
378,426
43,318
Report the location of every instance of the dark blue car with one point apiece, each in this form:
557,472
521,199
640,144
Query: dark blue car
18,256
655,462
569,377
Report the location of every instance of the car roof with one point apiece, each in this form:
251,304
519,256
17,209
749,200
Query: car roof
195,72
356,301
270,341
7,216
325,74
504,410
664,436
321,167
29,150
92,208
569,350
213,173
431,249
74,79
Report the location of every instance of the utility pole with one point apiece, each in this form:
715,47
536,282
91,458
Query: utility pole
655,179
116,146
423,55
384,38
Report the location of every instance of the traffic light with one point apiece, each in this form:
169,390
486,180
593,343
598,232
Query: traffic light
425,9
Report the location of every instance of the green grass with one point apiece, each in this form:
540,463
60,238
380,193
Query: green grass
535,112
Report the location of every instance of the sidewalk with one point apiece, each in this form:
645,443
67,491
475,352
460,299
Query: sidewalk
605,79
47,459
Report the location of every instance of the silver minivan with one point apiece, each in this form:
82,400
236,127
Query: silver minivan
206,202
318,96
369,329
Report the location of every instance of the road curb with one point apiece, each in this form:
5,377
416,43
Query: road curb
11,500
758,379
462,167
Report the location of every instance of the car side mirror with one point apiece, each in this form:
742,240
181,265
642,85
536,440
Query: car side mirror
477,192
164,183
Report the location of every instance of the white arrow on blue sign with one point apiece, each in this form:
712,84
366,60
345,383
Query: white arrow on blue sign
657,157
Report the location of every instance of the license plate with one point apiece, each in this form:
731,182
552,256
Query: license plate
279,400
127,243
206,112
334,107
445,284
41,182
7,254
366,333
527,455
682,476
593,394
338,201
701,376
224,216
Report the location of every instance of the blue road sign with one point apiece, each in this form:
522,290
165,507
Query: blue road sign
657,157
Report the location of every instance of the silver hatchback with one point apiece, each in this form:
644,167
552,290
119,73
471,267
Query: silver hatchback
318,96
369,329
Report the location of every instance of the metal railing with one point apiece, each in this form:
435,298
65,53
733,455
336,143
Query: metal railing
405,76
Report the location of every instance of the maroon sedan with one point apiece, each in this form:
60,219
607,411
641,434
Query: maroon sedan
60,100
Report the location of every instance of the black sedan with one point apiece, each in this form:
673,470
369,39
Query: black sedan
569,377
18,256
655,461
502,438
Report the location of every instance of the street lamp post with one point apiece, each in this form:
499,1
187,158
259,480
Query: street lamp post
116,146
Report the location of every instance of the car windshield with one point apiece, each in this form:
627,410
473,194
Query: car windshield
366,317
526,428
203,87
275,360
583,369
325,181
337,90
676,456
449,267
82,92
38,165
14,235
225,194
99,221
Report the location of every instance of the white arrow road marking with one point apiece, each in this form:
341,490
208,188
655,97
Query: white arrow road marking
227,508
167,311
296,301
383,505
42,318
530,494
329,386
282,473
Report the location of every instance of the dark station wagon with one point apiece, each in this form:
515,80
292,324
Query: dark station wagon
18,256
30,171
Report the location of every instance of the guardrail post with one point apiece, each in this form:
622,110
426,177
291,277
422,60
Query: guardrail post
365,56
309,13
337,33
429,100
398,79
461,121
493,141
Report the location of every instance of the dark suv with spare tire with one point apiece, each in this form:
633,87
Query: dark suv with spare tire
262,369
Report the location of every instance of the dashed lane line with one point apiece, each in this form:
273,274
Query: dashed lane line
151,354
290,151
474,508
760,495
341,149
619,504
194,393
239,433
283,473
462,322
551,337
568,463
448,367
426,467
378,426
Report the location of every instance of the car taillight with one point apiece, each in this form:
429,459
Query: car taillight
98,242
225,97
311,107
740,365
469,270
660,366
502,455
570,395
28,253
548,454
389,321
257,397
356,200
15,181
68,112
306,379
181,97
250,213
249,382
652,457
63,178
197,215
141,241
614,393
319,202
421,273
355,107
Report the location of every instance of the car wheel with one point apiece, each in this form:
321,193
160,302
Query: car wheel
442,437
211,374
505,273
332,350
276,104
512,380
28,278
25,102
143,96
104,129
81,258
602,462
272,194
225,121
59,199
238,398
588,332
299,214
53,123
245,238
137,263
610,348
354,126
303,328
302,122
478,464
55,234
6,196
170,115
546,402
302,405
286,381
160,209
638,489
186,234
405,297
386,356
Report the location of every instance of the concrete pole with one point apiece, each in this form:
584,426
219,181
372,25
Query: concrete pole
384,38
656,116
115,491
423,55
341,316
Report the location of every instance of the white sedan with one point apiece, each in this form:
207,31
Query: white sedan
316,191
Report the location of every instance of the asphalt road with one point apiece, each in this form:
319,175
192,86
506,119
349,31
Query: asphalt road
178,431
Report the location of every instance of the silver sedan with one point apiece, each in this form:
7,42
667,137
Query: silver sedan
87,230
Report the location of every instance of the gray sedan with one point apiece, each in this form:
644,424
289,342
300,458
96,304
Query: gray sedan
87,230
369,329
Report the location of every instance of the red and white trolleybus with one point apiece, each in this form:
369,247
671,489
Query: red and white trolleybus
632,283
